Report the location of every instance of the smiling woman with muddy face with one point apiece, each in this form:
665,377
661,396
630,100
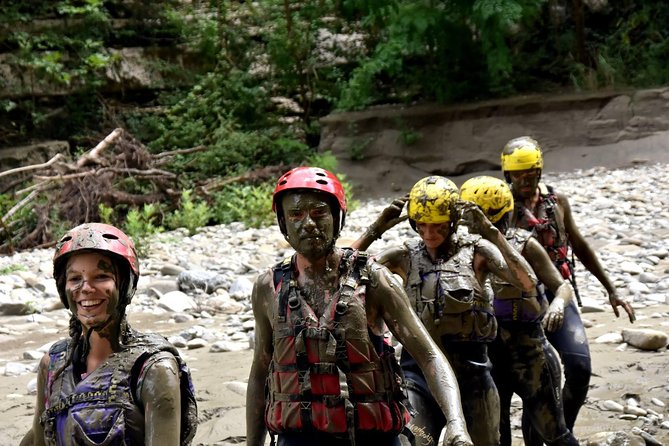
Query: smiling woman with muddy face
107,383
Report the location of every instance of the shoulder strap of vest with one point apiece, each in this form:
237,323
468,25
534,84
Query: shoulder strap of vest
282,274
57,353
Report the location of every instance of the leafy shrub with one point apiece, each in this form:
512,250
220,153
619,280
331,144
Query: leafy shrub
140,224
249,204
12,268
191,214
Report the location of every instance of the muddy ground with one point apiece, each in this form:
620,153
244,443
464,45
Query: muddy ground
219,379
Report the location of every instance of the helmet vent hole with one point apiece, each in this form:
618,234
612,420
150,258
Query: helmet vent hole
110,236
282,182
67,238
320,174
321,182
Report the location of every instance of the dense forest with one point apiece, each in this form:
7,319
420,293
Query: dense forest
212,98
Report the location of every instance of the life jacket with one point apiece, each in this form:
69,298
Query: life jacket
328,375
512,304
547,223
102,408
446,294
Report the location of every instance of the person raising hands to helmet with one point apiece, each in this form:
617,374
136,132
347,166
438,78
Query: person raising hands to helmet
322,373
523,361
107,383
445,275
540,209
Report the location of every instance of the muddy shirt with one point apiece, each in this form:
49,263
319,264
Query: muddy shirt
329,374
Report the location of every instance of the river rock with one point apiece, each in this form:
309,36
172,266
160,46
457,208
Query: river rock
177,301
609,338
615,439
645,338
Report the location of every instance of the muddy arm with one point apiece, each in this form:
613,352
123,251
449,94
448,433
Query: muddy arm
518,273
35,436
386,220
387,299
497,254
159,391
589,259
262,355
548,274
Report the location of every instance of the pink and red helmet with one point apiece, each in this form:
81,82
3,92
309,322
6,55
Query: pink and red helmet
101,237
311,178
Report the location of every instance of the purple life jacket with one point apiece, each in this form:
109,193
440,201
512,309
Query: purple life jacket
512,304
102,408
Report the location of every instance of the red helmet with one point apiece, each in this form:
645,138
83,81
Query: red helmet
97,237
311,178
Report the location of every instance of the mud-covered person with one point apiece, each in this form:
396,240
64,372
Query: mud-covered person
445,274
523,361
539,208
107,383
322,373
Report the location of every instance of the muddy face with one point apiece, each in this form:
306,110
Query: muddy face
309,223
433,234
525,182
92,291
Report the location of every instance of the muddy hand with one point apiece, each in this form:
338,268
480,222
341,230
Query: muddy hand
474,218
458,441
618,302
554,316
456,435
391,215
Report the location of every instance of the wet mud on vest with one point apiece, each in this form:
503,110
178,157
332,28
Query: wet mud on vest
330,374
446,294
101,408
512,304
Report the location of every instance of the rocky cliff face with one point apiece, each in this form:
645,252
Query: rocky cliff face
387,149
55,62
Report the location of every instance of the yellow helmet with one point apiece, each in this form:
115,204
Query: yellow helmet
491,194
431,199
521,154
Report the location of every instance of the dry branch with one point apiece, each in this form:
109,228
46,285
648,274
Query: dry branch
103,170
159,157
94,155
53,160
75,189
27,199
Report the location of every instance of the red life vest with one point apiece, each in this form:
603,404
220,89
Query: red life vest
328,375
547,224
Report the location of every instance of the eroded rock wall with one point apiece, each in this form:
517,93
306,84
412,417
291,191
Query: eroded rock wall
388,148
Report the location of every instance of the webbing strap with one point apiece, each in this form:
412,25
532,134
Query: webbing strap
87,397
285,274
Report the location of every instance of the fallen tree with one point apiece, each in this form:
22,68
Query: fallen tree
119,172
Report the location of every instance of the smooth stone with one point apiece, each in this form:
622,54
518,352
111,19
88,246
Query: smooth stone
609,338
177,302
657,402
227,346
611,406
196,343
645,338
